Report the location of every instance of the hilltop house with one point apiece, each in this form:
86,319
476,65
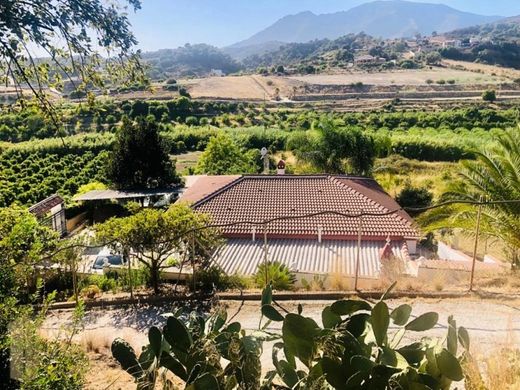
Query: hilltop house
319,244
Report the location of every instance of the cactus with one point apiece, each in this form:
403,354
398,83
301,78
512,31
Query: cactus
354,349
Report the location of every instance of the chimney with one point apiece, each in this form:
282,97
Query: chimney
320,231
281,167
254,233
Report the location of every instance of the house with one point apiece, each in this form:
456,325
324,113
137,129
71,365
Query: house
217,73
322,243
51,212
369,60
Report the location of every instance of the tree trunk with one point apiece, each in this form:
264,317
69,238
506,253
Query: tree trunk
154,277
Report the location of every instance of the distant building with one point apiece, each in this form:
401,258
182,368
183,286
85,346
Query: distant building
445,43
369,60
51,212
320,244
217,73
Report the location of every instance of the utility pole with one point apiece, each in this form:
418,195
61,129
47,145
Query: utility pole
358,255
475,247
265,255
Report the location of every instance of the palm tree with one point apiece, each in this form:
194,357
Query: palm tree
494,177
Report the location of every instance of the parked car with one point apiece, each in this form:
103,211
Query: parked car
107,259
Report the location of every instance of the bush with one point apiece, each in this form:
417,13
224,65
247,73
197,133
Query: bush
90,292
277,274
103,282
414,197
489,96
214,278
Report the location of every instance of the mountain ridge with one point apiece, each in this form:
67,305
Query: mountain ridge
385,19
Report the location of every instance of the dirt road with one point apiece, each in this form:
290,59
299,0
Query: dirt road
488,322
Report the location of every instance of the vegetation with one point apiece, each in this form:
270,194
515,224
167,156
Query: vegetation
275,273
492,177
213,278
414,197
498,44
223,156
42,363
354,348
188,60
23,244
333,149
154,236
51,27
489,96
139,159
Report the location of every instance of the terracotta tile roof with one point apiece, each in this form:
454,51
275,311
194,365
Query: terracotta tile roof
43,207
198,187
258,198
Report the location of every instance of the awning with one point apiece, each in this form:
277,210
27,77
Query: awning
242,256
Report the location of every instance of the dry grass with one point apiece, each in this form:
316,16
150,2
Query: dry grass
497,369
400,77
338,281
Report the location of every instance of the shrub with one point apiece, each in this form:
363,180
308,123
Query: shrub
90,292
414,197
277,274
103,282
489,96
214,278
41,363
441,82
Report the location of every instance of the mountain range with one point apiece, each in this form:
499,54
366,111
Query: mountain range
385,19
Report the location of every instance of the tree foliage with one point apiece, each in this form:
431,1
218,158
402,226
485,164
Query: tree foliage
223,156
139,158
494,176
153,236
69,33
335,149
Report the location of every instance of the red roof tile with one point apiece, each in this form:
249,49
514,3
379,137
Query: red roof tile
44,206
260,198
203,186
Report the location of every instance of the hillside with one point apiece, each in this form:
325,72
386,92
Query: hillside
188,60
495,43
387,19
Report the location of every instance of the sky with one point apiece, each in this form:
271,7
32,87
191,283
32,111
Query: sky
171,23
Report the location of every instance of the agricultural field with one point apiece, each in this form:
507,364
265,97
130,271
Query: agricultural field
272,87
402,78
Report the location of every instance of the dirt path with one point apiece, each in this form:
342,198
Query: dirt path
491,324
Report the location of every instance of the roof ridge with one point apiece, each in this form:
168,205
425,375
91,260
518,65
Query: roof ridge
335,180
218,191
371,201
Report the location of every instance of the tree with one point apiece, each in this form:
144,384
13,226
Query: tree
414,197
154,235
493,176
224,157
489,96
433,58
139,158
23,243
335,149
68,32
